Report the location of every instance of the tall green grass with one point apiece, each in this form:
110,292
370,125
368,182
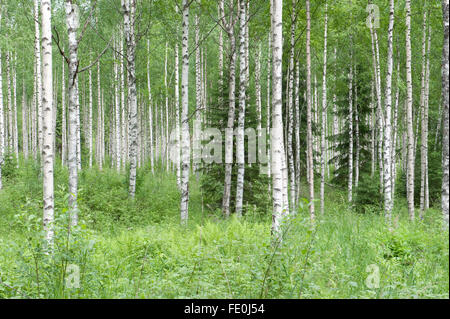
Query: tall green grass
137,249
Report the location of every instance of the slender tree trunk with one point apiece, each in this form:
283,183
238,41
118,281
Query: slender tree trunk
268,115
177,114
409,117
324,110
63,120
72,26
185,138
387,154
24,122
422,114
117,132
90,120
357,142
298,118
37,53
129,9
309,138
425,139
2,121
47,105
290,151
277,122
229,26
240,152
350,124
445,116
150,109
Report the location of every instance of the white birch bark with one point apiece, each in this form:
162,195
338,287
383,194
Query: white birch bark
177,112
72,21
63,116
2,121
185,138
290,151
150,110
24,122
117,119
309,138
37,52
277,122
129,9
445,115
421,118
47,105
409,117
240,152
229,28
324,110
89,135
297,134
387,145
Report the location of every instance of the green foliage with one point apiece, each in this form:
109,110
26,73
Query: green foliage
137,249
368,194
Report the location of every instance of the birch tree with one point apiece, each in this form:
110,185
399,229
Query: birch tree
387,156
277,144
445,116
185,138
240,152
72,21
309,137
229,29
324,110
409,117
47,105
2,121
129,10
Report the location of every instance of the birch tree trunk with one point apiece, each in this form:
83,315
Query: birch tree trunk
24,122
177,113
129,9
10,102
350,124
72,20
387,154
240,152
297,134
37,53
309,138
63,116
229,27
409,117
422,113
2,121
185,138
324,110
268,115
117,118
277,121
47,105
357,141
292,180
445,116
90,119
150,109
425,139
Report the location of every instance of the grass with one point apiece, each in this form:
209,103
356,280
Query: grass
136,249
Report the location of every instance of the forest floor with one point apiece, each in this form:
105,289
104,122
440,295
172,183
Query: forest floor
137,249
